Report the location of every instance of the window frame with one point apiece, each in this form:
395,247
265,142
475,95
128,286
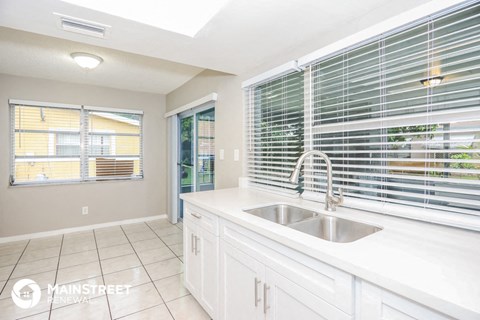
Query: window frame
84,146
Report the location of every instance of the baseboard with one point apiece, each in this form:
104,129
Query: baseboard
77,229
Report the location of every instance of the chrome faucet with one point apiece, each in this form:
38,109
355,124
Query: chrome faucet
331,201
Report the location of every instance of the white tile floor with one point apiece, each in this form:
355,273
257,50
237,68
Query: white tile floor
147,256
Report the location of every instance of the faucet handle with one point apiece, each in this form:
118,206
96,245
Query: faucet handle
340,197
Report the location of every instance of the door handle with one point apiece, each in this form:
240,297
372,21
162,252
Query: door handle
193,244
196,215
265,295
196,245
257,300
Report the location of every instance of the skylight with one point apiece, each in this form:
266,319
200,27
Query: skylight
186,17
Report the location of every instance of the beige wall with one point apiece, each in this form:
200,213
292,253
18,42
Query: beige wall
228,119
41,208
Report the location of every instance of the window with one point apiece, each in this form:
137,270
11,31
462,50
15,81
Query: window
55,143
100,144
114,144
395,136
67,144
275,131
390,137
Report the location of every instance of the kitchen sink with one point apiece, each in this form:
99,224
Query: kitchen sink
282,213
335,229
322,226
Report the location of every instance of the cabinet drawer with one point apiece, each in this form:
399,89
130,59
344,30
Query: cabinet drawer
201,218
330,284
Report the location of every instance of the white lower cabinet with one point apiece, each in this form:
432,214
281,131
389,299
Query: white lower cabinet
191,258
208,245
376,303
285,300
241,283
250,290
201,265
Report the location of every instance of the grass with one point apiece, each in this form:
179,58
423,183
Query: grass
203,177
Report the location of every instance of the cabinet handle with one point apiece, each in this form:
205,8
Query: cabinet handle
196,215
196,245
257,300
265,294
193,244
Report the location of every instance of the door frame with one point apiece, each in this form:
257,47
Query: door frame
174,156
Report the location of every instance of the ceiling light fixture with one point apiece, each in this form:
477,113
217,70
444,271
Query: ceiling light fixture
86,60
432,82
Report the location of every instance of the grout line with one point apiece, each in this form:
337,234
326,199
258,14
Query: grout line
10,275
55,280
127,315
173,254
165,243
101,270
148,274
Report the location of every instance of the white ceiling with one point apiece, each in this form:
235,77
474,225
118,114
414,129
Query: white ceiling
28,54
243,36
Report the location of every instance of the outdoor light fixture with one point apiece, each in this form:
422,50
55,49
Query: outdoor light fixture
432,82
86,60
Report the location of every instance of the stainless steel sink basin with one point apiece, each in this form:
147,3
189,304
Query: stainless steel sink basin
335,229
318,225
282,213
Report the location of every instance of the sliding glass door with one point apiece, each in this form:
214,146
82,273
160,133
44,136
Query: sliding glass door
196,157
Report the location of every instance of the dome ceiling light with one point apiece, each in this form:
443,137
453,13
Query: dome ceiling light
86,60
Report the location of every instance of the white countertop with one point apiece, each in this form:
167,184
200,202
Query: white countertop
433,265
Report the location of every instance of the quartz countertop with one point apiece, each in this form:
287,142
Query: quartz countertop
434,265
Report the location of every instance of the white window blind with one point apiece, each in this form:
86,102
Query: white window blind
54,144
275,131
391,138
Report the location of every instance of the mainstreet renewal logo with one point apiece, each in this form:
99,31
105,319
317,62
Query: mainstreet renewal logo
26,293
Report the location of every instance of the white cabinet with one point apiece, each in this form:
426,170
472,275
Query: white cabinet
201,259
252,290
285,300
208,255
191,258
374,303
241,285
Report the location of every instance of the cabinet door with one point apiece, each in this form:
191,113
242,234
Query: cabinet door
285,300
208,255
241,293
192,260
376,303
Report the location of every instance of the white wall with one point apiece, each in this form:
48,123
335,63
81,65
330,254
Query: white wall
228,119
42,208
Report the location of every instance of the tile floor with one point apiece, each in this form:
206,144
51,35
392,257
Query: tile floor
146,256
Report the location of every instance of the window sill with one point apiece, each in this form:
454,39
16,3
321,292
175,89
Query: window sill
87,182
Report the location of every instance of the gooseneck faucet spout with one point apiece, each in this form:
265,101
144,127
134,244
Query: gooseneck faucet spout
331,201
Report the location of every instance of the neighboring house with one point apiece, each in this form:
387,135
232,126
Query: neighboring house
48,144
